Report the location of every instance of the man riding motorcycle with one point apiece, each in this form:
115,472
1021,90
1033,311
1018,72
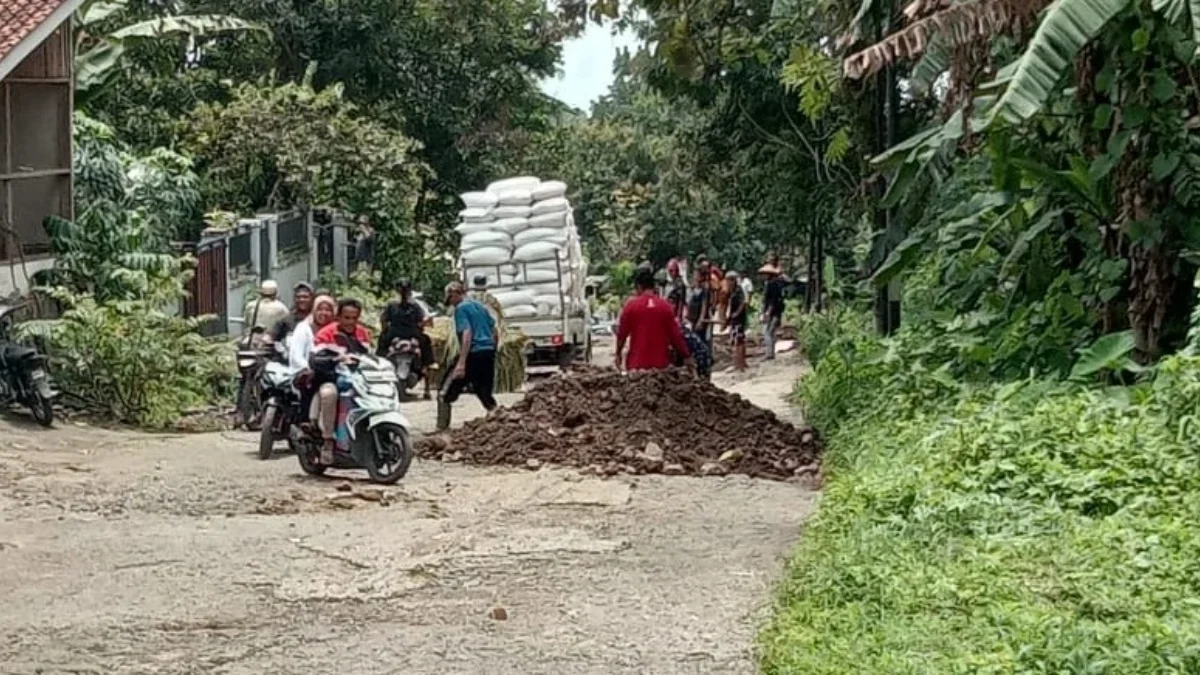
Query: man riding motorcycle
302,305
404,319
336,342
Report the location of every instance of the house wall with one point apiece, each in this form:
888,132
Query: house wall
252,258
35,158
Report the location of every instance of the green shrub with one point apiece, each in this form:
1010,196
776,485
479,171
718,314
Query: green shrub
1031,527
131,361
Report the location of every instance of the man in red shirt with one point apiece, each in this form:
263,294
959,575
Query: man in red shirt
346,334
649,326
346,331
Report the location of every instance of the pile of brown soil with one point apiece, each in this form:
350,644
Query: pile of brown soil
646,422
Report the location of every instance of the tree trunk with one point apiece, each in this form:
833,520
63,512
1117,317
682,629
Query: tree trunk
1151,285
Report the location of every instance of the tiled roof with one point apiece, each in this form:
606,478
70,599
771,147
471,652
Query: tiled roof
19,18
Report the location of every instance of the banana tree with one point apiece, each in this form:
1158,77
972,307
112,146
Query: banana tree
97,54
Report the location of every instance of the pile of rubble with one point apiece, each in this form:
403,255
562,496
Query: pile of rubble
608,422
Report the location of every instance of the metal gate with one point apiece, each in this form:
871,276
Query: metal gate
208,288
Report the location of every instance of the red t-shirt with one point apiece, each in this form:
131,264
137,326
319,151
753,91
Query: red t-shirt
649,325
328,335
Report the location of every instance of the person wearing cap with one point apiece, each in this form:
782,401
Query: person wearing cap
302,306
736,319
404,319
650,328
773,306
263,313
479,293
476,355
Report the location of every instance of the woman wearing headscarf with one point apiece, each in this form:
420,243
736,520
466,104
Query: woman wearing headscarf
300,349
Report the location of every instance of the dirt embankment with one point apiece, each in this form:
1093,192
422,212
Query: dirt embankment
648,422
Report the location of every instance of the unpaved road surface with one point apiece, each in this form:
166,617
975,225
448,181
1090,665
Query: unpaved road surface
129,553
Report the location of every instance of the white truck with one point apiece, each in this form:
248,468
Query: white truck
559,329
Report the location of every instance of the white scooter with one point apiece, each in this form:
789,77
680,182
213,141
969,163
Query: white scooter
379,435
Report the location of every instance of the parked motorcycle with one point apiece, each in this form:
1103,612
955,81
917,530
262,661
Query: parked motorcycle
379,437
281,408
250,362
405,355
23,378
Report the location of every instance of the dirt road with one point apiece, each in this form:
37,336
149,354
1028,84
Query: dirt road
127,553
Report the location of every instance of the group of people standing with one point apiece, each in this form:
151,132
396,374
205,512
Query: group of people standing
320,332
678,326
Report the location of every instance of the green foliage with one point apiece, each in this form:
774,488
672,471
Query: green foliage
127,208
1031,527
98,52
160,188
129,360
285,146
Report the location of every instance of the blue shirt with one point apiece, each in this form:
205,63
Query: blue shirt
473,315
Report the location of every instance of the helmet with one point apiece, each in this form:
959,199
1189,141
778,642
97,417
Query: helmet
269,288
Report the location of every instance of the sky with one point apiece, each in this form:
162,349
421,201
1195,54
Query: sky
587,66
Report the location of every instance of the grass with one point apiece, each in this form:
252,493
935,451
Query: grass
1023,529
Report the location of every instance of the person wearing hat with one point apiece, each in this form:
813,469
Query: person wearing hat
475,360
773,306
480,294
263,313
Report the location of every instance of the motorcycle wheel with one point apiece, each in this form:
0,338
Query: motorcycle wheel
309,457
266,437
245,406
389,440
42,409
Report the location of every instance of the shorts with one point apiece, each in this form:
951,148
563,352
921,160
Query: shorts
737,334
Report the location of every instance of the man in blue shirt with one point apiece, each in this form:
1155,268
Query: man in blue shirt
476,363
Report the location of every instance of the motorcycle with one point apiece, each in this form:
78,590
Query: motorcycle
250,362
405,355
378,433
23,378
281,408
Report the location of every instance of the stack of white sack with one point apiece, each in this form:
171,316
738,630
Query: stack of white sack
520,234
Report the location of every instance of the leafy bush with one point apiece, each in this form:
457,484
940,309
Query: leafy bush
129,360
1037,526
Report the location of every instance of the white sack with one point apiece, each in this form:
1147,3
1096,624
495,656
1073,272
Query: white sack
475,215
554,220
537,275
512,298
487,237
516,183
520,312
515,197
511,225
554,235
470,228
488,255
539,251
547,288
549,190
555,205
478,200
502,212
